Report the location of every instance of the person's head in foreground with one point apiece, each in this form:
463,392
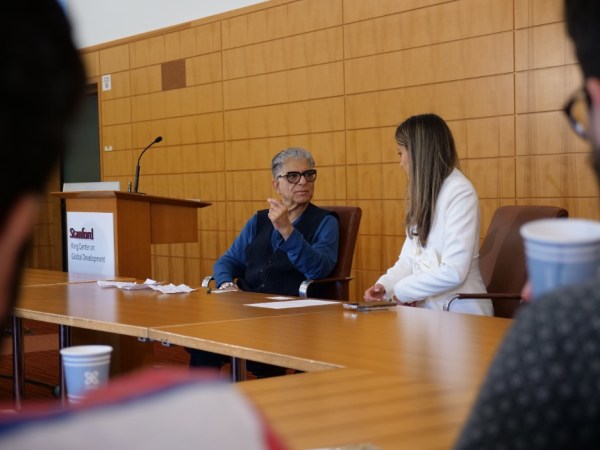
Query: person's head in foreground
583,108
41,82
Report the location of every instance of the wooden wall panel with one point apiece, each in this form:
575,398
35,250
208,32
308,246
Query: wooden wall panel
546,133
337,77
459,60
529,13
545,89
204,69
147,52
91,62
439,23
114,59
145,80
280,21
478,97
117,136
543,46
355,10
302,50
287,119
313,82
116,111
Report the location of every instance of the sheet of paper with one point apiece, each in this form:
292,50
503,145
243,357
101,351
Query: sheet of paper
126,285
172,289
292,304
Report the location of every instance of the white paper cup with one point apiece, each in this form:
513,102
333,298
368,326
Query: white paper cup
86,367
561,252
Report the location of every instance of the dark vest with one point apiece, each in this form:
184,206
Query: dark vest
272,272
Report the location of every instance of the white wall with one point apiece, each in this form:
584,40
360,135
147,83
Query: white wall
99,21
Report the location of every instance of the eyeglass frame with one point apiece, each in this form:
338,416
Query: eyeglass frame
304,174
577,126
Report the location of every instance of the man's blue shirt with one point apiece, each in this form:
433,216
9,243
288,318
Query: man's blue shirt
314,261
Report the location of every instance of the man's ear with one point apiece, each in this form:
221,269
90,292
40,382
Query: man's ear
275,184
593,87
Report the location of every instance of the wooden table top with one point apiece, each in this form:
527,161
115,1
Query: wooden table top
132,313
40,277
440,346
350,407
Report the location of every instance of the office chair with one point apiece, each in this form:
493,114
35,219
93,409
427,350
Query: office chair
336,286
502,257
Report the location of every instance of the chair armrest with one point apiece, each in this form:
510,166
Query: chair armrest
206,281
303,291
483,296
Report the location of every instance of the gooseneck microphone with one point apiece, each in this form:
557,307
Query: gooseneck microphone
136,180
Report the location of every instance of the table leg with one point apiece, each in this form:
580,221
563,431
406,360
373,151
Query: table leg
18,363
64,340
238,369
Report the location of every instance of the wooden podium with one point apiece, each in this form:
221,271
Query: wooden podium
139,221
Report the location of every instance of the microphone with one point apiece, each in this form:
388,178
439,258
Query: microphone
136,180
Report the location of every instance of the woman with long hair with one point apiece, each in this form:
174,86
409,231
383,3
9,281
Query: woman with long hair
440,255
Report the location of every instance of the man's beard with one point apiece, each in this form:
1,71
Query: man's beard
15,284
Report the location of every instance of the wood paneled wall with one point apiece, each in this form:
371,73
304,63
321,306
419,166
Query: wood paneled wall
336,77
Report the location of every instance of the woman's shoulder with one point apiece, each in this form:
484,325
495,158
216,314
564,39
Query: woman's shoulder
457,182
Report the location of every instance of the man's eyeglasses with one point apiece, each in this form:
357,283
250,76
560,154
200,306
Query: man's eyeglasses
577,110
294,177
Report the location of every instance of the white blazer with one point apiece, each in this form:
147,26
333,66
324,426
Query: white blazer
449,263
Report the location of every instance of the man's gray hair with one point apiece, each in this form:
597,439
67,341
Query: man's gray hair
290,153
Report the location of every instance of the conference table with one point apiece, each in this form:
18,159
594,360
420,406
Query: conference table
398,378
447,348
83,304
349,408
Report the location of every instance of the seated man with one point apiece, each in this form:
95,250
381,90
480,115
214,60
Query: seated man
279,247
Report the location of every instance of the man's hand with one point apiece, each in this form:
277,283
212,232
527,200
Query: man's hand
280,218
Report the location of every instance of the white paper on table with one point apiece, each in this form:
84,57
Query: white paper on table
128,285
292,304
172,289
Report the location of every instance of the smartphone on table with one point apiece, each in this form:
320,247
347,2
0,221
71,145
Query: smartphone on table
370,306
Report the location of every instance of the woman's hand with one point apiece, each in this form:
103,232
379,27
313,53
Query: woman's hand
526,292
374,293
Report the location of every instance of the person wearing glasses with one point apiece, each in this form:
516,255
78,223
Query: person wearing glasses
542,390
441,252
279,247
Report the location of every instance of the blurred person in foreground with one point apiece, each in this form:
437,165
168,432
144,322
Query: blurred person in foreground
542,390
42,81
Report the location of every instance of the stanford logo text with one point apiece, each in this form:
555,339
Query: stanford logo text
75,234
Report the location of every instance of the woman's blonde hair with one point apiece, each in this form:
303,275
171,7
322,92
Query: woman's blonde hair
432,157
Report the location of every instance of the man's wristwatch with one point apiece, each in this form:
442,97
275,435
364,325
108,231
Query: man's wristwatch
228,284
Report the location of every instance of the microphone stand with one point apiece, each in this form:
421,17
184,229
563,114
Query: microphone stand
136,179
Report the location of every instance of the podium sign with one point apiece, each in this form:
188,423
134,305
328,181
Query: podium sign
91,243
